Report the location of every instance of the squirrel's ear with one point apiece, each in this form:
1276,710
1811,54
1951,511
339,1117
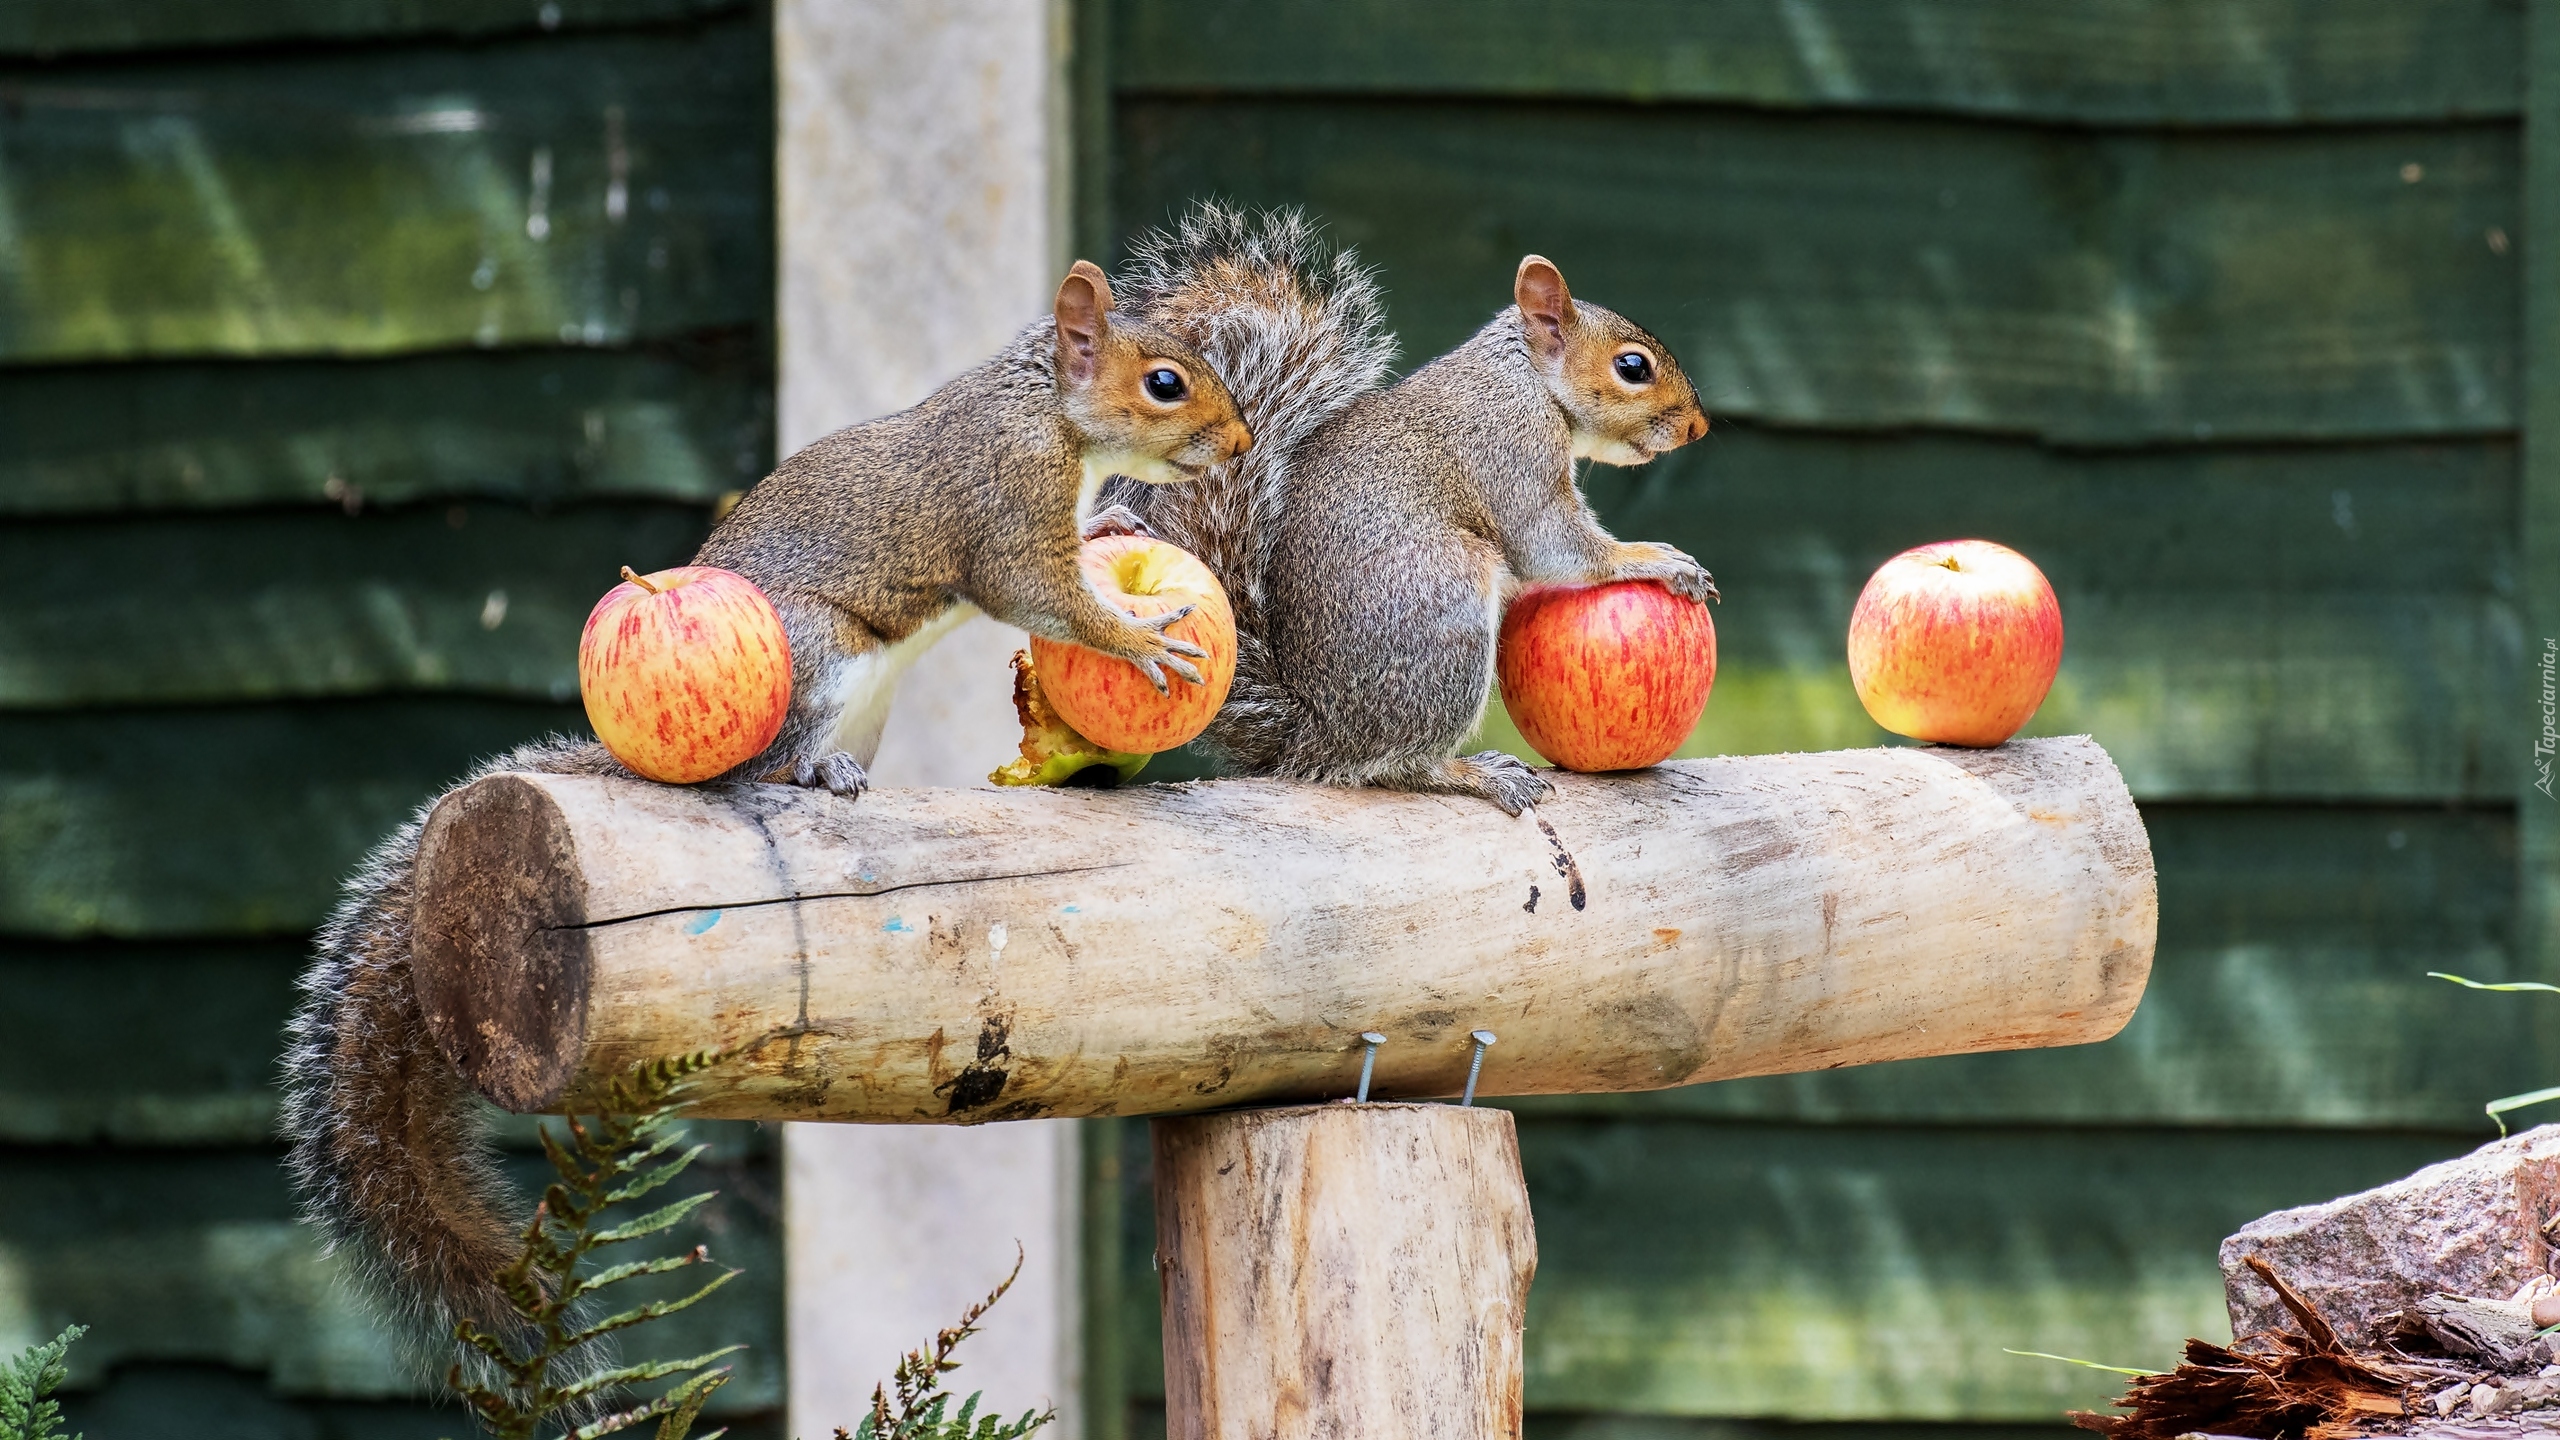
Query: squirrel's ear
1546,307
1084,302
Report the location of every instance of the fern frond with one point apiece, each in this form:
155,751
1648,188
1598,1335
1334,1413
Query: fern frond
634,1189
664,1218
652,1370
632,1269
27,1383
695,1392
665,1406
654,1310
601,1162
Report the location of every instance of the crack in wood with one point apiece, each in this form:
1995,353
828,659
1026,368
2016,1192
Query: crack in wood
832,895
799,927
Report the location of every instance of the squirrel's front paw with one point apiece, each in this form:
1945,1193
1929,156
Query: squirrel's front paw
1676,571
1118,520
839,772
1158,652
1693,583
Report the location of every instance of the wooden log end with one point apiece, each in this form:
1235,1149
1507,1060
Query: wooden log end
499,954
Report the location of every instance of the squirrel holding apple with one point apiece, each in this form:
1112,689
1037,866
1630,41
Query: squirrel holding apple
1369,548
871,543
878,540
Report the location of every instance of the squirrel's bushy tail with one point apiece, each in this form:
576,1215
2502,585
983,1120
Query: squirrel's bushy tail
390,1151
1296,329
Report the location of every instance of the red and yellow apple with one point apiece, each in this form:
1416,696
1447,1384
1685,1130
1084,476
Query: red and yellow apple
686,672
1606,677
1955,643
1108,700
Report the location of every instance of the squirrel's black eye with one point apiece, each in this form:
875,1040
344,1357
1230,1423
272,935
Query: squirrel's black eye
1164,384
1635,368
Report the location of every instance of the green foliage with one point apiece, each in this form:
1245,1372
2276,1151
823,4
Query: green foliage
2499,1107
621,1156
26,1381
922,1402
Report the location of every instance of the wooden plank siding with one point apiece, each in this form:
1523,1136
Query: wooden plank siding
2082,286
2124,62
133,822
2217,313
347,348
1855,1273
253,605
52,28
588,189
685,421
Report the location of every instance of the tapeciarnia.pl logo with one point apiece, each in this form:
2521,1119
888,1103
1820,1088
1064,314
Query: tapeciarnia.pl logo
2545,744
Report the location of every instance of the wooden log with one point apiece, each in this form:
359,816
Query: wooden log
1335,1270
961,955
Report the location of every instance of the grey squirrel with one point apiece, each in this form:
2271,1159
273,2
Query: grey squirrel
1370,547
875,541
871,543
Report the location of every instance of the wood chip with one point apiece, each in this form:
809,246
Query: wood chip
2274,1385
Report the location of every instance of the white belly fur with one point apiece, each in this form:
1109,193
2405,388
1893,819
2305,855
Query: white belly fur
866,684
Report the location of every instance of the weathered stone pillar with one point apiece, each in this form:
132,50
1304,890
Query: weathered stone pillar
922,211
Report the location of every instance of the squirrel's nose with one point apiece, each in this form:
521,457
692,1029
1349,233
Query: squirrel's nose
1697,427
1239,439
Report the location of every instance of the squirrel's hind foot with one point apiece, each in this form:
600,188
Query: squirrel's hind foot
838,772
1506,780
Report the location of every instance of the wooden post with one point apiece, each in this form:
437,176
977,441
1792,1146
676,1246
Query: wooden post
955,956
1342,1270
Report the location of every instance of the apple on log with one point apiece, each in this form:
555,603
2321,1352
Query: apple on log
1606,677
1108,700
1955,643
686,673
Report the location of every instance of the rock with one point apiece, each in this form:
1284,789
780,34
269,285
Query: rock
2471,1226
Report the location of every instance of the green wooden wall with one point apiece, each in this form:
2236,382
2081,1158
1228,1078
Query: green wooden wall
347,347
2213,307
